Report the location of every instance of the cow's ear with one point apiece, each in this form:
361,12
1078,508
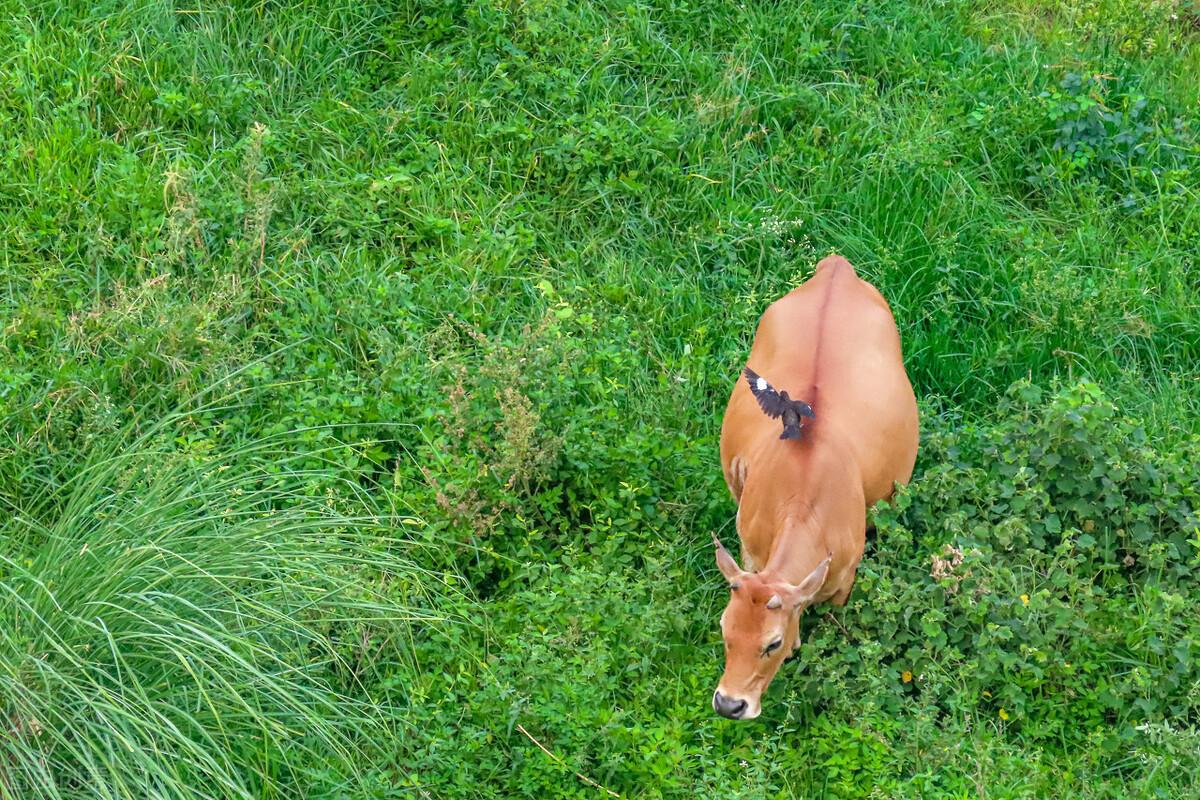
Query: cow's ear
725,562
803,593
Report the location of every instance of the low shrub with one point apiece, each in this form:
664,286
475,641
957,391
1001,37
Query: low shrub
1026,594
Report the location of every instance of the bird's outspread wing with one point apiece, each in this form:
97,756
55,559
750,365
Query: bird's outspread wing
768,399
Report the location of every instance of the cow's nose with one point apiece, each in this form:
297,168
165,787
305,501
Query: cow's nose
728,707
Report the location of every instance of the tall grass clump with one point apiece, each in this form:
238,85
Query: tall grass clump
175,624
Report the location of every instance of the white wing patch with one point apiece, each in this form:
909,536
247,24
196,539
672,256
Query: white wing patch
762,385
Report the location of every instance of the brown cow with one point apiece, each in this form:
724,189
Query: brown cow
805,466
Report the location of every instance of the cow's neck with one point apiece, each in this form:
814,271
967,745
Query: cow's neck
797,501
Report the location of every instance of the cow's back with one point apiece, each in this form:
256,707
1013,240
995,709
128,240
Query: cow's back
832,342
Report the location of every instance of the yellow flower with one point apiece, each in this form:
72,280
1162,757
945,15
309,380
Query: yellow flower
1003,714
906,676
1025,599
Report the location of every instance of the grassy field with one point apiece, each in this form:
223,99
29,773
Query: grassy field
362,363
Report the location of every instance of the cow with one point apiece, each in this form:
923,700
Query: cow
820,426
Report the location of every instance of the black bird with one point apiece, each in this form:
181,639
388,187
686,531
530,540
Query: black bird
777,404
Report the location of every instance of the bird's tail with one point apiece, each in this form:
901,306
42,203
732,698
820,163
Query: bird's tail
790,432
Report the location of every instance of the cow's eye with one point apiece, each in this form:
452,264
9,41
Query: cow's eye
772,647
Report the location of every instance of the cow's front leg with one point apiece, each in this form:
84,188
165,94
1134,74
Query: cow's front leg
843,594
795,637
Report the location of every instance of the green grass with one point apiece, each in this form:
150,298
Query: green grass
474,279
182,622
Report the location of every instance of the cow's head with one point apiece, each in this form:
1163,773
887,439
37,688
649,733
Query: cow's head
759,626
